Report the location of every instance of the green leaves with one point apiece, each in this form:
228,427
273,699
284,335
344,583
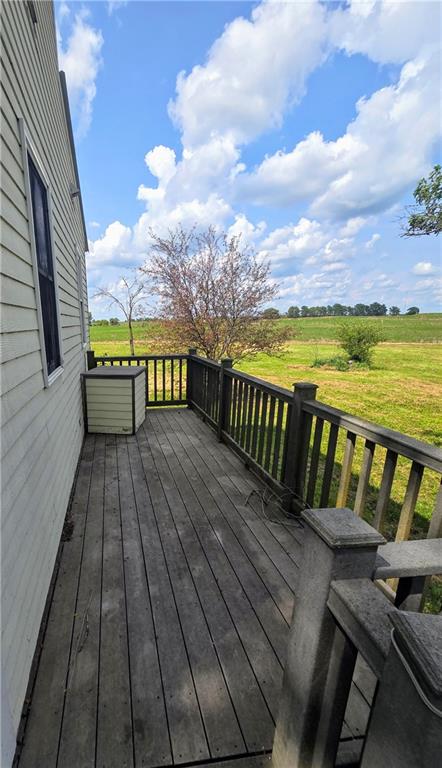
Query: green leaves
425,217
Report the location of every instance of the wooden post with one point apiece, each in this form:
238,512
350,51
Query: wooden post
223,399
90,359
405,727
337,545
298,439
192,351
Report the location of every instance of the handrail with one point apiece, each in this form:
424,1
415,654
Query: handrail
206,361
114,358
265,386
428,455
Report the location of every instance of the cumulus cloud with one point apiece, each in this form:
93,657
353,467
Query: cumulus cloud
80,59
386,31
306,243
254,71
373,240
253,75
424,268
249,233
315,289
384,150
114,248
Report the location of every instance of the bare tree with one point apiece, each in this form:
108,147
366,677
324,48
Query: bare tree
131,300
212,292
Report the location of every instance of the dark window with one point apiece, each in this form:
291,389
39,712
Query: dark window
45,265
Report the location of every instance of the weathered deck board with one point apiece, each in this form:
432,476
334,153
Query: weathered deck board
167,632
114,718
80,710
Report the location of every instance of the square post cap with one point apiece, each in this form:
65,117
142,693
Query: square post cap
341,529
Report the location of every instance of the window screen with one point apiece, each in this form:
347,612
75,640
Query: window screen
45,265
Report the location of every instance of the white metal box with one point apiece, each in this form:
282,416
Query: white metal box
115,399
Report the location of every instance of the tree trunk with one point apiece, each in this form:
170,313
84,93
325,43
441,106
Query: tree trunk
131,338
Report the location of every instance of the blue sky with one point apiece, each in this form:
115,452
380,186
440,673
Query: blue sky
303,126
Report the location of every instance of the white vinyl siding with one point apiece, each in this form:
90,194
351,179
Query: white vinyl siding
42,428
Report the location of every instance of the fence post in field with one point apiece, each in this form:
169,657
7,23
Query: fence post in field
223,399
90,359
192,351
298,440
406,727
337,545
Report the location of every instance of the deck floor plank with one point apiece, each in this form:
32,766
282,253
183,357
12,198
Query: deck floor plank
219,717
263,535
114,716
199,543
78,734
167,631
150,729
243,592
245,483
251,558
186,729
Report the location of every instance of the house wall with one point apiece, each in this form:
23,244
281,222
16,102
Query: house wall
42,427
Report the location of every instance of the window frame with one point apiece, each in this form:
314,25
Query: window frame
28,148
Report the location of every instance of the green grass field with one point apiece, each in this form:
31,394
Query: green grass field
402,390
405,329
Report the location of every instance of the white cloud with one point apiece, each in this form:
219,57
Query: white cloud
315,289
249,232
386,31
254,71
353,226
378,281
335,266
114,248
94,224
430,288
384,150
161,162
80,59
115,5
424,268
373,240
309,243
190,213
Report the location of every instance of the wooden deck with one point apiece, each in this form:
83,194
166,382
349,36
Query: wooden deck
168,625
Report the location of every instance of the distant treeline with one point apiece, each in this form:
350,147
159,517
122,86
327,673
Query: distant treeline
339,310
331,310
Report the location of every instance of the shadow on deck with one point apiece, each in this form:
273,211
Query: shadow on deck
168,625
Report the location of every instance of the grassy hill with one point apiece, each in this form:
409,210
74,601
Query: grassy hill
401,329
405,328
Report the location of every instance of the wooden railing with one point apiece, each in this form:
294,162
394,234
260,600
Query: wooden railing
311,454
291,440
339,614
166,375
